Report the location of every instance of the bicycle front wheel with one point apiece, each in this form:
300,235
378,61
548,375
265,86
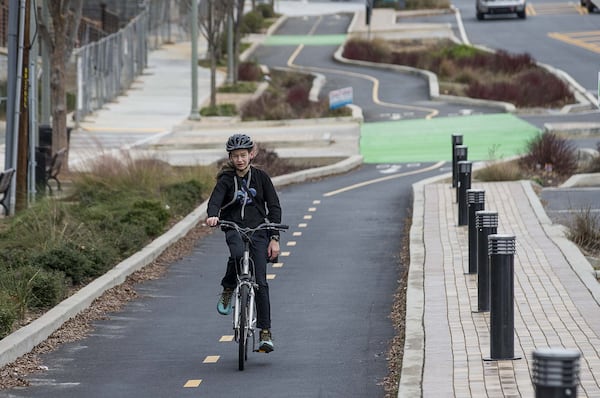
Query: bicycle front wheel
243,340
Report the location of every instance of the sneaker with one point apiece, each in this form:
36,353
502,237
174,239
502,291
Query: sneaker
265,344
224,304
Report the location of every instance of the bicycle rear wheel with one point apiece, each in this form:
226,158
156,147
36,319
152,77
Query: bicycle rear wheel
243,340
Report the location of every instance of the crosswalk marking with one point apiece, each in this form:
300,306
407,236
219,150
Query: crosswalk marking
226,338
211,359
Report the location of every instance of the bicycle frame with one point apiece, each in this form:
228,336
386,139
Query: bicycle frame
244,295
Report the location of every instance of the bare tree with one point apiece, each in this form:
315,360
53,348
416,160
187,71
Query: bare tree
60,38
212,18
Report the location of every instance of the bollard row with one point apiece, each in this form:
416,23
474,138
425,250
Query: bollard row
555,372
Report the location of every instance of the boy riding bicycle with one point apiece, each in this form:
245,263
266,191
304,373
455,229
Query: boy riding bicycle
245,195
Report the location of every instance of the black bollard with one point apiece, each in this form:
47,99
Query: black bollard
486,223
555,372
461,155
464,184
476,202
457,139
501,250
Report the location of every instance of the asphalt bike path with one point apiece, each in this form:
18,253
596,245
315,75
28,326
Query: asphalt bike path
331,292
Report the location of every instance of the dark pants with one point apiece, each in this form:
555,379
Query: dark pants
258,252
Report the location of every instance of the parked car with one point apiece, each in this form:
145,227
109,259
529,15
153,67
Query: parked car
484,7
589,4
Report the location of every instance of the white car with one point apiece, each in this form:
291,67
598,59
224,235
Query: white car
484,7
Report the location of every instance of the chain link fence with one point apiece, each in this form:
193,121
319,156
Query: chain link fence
106,68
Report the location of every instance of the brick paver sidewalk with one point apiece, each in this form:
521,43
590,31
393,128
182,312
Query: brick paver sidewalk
555,302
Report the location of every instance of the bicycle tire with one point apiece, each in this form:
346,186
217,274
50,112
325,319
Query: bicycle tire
243,340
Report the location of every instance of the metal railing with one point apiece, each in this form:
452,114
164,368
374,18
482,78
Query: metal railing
105,69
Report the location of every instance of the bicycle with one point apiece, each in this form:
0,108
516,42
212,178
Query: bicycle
244,314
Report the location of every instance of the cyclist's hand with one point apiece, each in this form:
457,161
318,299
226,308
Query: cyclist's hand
273,250
212,221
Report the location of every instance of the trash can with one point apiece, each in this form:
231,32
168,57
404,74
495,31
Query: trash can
45,135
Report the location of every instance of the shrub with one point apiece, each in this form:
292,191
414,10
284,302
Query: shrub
266,10
151,214
240,87
8,315
375,50
499,171
219,110
584,230
71,260
555,92
427,4
252,22
183,197
552,153
297,96
48,289
249,71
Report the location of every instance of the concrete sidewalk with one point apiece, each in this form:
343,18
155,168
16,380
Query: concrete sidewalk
556,299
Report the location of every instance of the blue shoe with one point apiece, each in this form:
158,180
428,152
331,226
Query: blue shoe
224,304
266,343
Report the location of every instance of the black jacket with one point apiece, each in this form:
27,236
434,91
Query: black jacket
246,204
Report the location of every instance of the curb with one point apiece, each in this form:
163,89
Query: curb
26,338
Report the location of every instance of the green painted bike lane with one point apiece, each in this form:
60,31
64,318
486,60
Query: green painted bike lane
429,140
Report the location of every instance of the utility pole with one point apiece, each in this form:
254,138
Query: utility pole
194,115
23,138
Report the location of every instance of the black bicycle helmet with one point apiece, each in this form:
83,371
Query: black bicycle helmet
239,141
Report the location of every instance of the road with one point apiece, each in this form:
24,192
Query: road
331,301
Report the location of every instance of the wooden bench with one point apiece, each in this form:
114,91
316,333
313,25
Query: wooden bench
53,169
5,180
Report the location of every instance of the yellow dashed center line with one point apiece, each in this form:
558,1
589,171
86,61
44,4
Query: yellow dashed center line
284,254
302,225
211,359
297,233
192,383
226,338
316,202
270,276
277,265
312,209
308,217
291,243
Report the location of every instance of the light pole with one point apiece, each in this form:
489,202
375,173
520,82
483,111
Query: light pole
194,115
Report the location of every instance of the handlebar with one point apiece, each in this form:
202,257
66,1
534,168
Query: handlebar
246,230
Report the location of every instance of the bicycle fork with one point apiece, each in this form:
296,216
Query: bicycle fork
251,316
